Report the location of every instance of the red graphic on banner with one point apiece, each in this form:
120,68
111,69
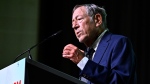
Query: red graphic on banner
18,82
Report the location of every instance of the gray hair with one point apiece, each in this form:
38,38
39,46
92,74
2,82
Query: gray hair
93,9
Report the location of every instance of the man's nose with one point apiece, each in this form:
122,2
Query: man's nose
75,25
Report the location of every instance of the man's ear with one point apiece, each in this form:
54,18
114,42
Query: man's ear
98,19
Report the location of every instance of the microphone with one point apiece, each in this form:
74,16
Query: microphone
28,50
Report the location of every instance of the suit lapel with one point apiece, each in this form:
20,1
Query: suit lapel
103,44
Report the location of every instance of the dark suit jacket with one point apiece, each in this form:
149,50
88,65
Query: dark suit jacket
114,62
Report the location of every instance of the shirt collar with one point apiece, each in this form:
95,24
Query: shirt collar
95,44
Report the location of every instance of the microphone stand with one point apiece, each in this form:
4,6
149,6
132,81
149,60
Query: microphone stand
28,50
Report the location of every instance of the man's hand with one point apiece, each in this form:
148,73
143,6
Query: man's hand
73,53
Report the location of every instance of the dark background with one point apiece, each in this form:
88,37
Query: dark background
128,17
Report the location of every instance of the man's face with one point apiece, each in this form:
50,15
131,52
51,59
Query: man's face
82,24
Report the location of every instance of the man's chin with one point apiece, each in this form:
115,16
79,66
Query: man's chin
81,40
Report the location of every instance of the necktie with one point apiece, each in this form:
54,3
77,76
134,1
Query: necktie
89,52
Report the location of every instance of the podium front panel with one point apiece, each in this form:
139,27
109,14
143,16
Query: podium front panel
14,73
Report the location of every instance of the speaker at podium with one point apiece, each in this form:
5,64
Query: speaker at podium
28,71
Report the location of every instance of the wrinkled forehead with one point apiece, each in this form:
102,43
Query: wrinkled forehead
80,11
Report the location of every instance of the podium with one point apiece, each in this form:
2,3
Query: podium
28,71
